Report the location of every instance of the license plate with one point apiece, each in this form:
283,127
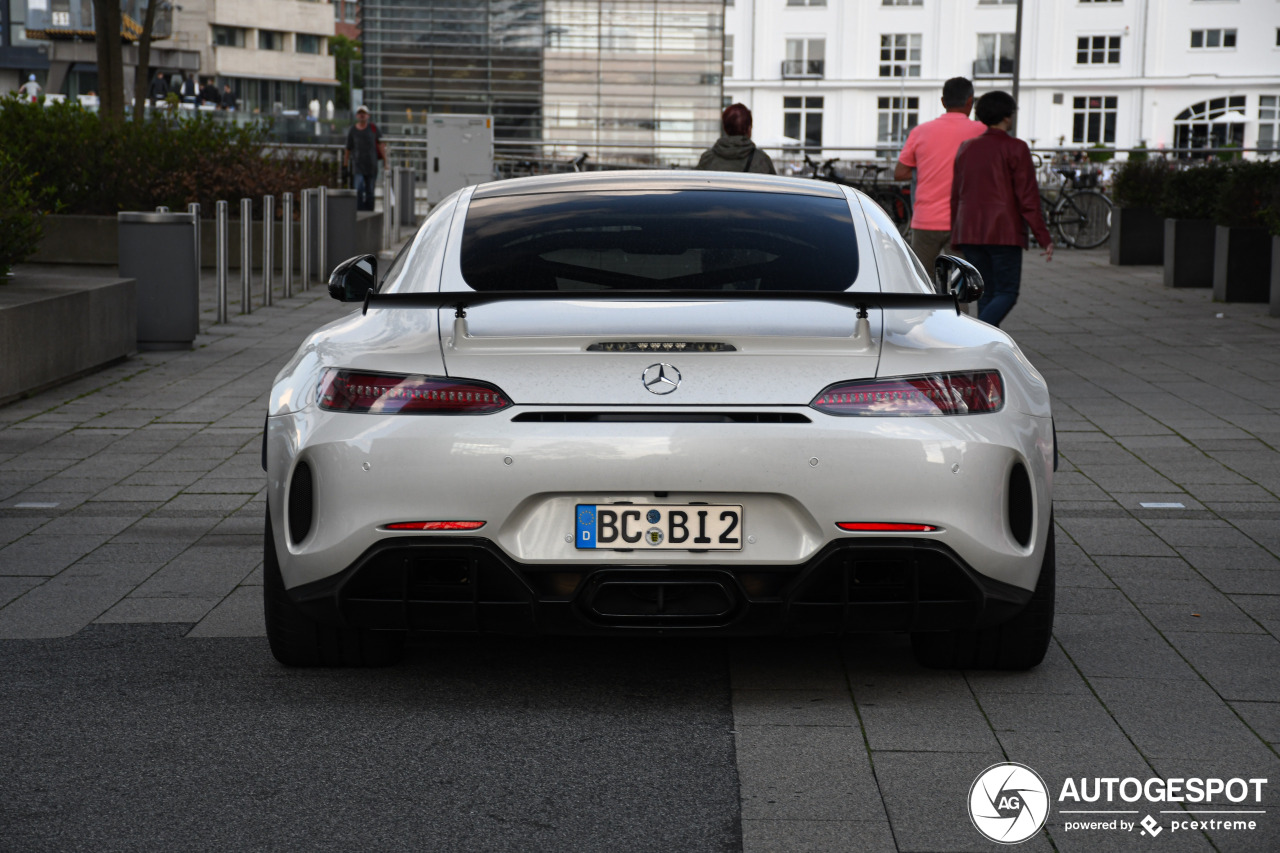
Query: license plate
695,527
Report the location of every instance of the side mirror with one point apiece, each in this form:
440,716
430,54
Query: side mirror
957,278
354,279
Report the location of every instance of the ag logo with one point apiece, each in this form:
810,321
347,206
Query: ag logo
1008,803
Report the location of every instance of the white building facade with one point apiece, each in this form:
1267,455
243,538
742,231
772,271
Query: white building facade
839,75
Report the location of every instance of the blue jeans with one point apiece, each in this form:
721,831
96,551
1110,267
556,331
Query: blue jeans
1001,269
364,191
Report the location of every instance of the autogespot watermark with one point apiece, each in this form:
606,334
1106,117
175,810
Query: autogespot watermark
1010,802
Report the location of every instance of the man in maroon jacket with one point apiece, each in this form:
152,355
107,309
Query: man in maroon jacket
994,198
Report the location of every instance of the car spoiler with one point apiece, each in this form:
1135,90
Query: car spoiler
460,301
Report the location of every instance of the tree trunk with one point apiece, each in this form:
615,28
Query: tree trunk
142,79
110,47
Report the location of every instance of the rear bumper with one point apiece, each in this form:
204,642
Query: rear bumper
451,584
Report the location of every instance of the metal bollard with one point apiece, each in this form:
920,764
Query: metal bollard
322,235
386,208
246,255
194,209
220,249
286,242
305,260
268,245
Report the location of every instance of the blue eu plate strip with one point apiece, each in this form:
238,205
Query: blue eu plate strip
586,526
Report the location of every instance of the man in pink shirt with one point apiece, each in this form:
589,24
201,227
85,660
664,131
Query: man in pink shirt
931,152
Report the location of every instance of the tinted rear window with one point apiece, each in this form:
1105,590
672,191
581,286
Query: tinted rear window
687,240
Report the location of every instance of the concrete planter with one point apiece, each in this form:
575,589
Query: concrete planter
1137,236
1188,252
1242,265
1275,276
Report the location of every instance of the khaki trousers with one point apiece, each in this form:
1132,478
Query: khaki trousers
928,245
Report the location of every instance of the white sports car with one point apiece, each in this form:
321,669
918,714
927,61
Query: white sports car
658,403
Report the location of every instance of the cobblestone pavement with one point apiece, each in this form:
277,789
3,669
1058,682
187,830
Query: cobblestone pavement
135,495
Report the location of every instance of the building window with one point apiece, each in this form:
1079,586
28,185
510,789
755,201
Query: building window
1098,50
900,55
307,43
728,55
995,55
806,2
1094,119
1213,38
1269,122
802,120
1211,124
228,36
997,2
805,58
901,2
270,40
895,118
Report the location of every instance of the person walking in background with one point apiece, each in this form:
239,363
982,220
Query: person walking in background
158,89
930,153
228,99
364,150
994,198
209,93
31,89
190,89
734,151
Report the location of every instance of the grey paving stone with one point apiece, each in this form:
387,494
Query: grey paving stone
201,572
1262,717
1054,676
81,523
1114,537
926,795
923,710
1231,581
237,615
811,773
1222,557
45,556
15,587
816,836
152,494
1176,719
1092,601
787,665
142,609
1239,666
1263,608
1058,717
1110,646
793,708
63,605
1199,533
14,527
1214,614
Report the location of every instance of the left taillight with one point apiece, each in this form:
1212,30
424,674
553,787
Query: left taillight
969,393
400,394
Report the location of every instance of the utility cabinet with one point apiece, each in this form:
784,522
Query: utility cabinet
459,153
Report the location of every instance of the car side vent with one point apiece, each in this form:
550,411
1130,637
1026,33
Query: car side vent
663,417
1020,504
301,503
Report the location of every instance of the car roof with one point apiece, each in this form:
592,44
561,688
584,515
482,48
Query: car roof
665,180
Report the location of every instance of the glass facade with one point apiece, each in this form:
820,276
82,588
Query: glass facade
634,81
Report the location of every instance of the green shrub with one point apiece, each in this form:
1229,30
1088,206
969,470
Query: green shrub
1139,154
1099,153
1248,189
1140,183
96,167
21,212
1192,193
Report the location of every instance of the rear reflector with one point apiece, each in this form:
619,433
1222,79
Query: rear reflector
884,527
398,394
434,525
971,393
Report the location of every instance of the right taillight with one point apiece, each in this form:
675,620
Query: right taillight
400,394
969,393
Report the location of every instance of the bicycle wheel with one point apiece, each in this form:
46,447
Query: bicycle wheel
1083,218
897,206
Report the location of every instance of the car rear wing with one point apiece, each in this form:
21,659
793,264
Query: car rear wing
460,301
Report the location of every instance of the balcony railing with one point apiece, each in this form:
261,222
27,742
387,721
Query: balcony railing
802,69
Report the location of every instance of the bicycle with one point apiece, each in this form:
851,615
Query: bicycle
895,199
1081,217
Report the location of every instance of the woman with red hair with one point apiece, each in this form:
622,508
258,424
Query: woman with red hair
734,151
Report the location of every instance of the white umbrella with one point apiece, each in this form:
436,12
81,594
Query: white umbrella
1233,117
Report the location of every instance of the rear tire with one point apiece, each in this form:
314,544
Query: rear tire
298,640
1020,643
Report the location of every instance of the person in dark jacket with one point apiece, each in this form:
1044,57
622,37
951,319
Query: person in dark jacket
994,198
734,151
158,89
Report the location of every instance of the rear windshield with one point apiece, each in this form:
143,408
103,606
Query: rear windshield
680,240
